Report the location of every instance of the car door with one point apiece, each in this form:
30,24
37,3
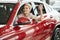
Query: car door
45,26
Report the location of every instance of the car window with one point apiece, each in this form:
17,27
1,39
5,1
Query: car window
20,13
5,12
36,8
21,9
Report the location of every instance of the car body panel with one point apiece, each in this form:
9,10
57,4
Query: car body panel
39,31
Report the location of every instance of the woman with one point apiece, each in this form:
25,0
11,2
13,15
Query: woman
26,12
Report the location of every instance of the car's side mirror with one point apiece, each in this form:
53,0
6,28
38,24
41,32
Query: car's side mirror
23,21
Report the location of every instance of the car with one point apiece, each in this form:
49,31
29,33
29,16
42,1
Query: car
10,29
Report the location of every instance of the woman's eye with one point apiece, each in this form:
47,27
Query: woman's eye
26,8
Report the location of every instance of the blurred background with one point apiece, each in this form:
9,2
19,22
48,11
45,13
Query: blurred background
54,3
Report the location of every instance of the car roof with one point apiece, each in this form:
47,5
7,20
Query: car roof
32,1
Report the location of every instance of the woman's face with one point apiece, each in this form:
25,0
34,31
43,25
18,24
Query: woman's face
26,9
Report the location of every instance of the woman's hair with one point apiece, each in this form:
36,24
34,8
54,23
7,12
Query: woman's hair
41,3
30,6
22,7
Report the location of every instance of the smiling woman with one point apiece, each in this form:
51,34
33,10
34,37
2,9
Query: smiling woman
25,13
5,11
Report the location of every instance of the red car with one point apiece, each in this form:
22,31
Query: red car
49,27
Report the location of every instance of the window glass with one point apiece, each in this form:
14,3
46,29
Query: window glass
5,12
37,4
21,9
24,9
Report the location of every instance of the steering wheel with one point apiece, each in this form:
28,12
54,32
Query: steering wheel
23,20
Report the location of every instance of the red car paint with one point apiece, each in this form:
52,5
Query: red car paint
42,29
10,20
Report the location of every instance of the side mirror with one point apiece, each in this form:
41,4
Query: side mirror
23,20
16,28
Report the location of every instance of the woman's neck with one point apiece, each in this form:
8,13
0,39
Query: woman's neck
27,14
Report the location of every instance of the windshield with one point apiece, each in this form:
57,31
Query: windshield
5,12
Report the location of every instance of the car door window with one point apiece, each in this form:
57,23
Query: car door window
5,12
37,4
20,13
